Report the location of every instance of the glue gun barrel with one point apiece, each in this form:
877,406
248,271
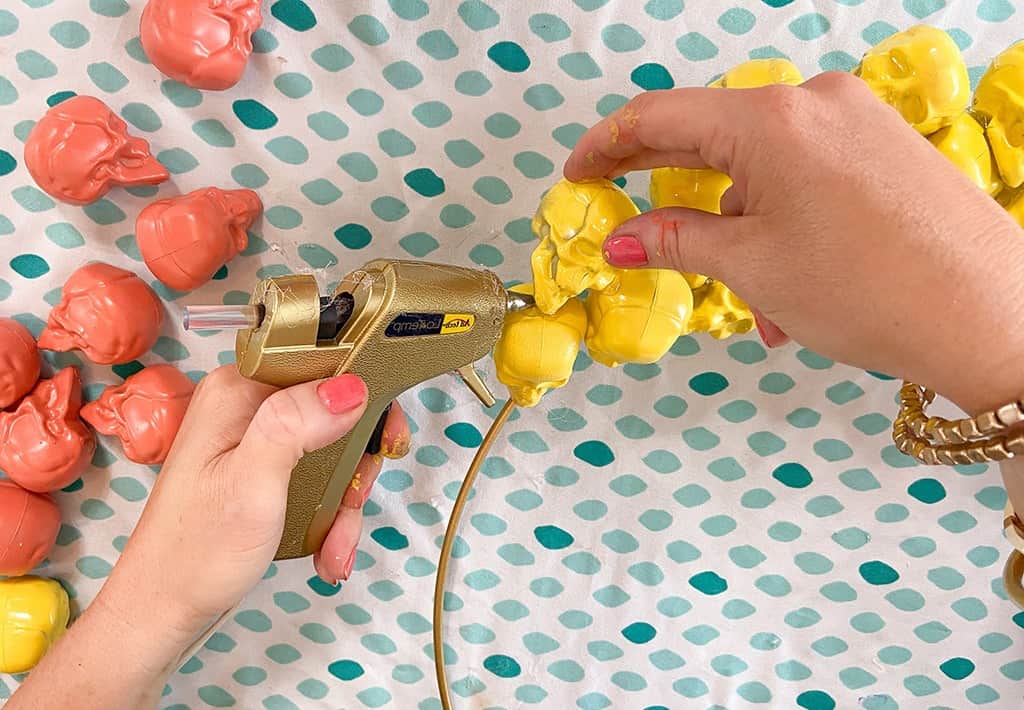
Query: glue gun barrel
222,317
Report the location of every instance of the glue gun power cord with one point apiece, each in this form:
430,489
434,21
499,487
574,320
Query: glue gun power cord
446,549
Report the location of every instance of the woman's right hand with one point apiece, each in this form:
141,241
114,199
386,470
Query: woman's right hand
844,227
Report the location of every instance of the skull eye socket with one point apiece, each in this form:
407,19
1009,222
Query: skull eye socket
899,68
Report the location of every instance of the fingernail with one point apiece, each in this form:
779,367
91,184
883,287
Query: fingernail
771,334
349,564
342,393
625,250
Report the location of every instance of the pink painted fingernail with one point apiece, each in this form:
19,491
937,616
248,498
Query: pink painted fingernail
349,564
342,393
771,334
625,250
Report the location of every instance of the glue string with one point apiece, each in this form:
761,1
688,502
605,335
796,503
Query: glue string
446,549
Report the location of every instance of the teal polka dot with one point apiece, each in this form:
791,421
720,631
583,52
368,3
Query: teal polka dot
365,102
708,383
107,77
438,45
509,56
596,453
456,216
332,57
369,30
34,65
8,23
359,166
543,97
389,209
549,28
810,26
580,66
927,490
737,21
652,76
296,14
501,125
472,83
792,475
253,114
696,47
776,383
409,9
69,34
878,573
30,266
214,133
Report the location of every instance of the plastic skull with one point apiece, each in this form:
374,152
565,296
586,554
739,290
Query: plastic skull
759,72
572,223
921,73
638,317
144,412
43,444
79,149
695,188
29,523
1013,202
201,43
716,309
963,143
185,240
34,614
110,314
719,312
19,362
999,101
536,352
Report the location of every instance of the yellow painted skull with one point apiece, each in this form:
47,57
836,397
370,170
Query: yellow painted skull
638,317
719,311
999,103
1013,202
536,352
572,223
33,615
759,72
716,309
921,73
963,143
698,189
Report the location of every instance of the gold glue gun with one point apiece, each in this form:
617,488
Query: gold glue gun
393,323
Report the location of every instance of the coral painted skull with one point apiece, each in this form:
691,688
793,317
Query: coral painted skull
999,101
202,43
43,444
536,352
110,314
79,149
144,412
19,362
185,240
29,523
921,73
572,223
638,317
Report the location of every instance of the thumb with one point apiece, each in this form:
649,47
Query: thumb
682,239
299,419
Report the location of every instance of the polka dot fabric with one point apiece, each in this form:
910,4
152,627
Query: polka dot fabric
728,528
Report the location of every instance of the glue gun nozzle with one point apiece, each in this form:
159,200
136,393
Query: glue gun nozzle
222,317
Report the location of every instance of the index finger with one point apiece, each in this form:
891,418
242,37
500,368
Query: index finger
693,127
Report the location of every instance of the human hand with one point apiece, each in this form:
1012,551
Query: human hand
844,227
216,514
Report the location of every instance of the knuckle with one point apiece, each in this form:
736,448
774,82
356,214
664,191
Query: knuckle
785,107
280,418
